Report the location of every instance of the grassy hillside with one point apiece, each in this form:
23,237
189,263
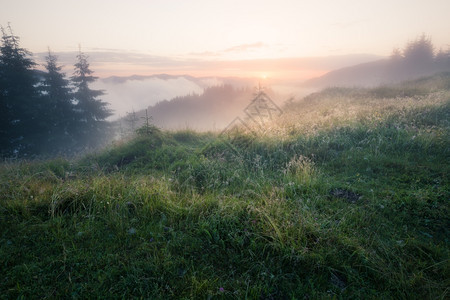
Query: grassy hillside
346,195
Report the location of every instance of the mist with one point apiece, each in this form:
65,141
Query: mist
127,95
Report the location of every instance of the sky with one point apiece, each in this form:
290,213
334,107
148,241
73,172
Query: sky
206,37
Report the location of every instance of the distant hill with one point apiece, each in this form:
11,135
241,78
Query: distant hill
137,92
210,110
373,74
418,59
367,74
122,79
200,81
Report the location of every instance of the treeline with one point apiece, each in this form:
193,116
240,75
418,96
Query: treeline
44,113
418,57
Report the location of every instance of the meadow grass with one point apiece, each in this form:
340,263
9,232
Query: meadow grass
346,196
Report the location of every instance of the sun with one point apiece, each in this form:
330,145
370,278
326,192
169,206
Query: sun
264,76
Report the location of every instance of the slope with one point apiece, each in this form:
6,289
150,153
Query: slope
345,196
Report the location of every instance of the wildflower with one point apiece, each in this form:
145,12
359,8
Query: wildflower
221,290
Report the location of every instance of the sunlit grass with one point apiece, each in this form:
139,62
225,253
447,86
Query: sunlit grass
345,196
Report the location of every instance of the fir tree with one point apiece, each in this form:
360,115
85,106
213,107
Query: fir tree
92,128
61,115
21,125
442,60
419,56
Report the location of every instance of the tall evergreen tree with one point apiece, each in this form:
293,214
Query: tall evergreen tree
60,113
419,56
442,60
21,125
93,129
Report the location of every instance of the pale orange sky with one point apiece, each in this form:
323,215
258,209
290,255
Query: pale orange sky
202,37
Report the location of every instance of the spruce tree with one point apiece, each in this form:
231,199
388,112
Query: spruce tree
419,56
60,113
442,60
92,128
21,125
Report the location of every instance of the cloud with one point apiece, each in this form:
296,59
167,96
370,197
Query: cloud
205,53
116,63
232,50
116,56
245,47
125,63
